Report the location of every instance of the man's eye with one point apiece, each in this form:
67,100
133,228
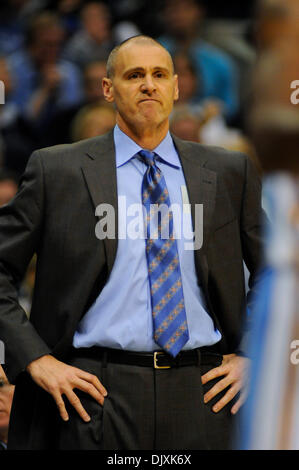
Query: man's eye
159,74
134,75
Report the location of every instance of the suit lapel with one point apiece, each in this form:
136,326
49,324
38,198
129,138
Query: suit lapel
99,170
201,186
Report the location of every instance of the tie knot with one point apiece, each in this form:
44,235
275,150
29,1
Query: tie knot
148,157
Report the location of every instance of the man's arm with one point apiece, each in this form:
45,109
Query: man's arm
21,225
234,369
20,229
58,379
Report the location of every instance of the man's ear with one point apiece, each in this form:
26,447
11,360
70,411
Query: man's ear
108,89
176,88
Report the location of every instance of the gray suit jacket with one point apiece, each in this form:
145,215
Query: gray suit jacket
53,215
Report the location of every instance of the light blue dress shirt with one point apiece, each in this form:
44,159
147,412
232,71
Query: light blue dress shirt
121,316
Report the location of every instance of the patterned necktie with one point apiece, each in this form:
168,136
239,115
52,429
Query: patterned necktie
168,307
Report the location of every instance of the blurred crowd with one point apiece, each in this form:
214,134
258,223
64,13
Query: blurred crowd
53,57
52,60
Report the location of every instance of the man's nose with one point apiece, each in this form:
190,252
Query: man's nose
148,85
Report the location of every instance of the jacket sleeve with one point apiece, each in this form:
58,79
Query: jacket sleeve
20,229
253,225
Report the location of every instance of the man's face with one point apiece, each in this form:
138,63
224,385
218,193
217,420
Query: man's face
143,87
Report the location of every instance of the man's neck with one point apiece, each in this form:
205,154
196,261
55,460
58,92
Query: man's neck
148,138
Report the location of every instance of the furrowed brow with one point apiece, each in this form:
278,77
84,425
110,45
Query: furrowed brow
142,69
162,69
132,70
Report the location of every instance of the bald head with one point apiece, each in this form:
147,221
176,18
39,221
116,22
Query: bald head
143,87
139,41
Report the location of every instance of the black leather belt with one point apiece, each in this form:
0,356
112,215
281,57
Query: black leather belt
157,360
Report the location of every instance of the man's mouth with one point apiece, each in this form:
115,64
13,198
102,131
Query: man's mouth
148,99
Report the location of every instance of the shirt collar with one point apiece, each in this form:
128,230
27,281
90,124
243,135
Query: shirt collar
126,148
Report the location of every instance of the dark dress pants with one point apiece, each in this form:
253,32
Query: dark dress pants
148,409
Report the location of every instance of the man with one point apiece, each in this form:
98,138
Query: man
94,346
95,38
44,83
39,85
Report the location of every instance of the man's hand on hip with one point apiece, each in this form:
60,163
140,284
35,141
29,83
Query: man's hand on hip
234,370
58,379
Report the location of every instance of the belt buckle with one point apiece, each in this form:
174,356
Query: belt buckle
155,361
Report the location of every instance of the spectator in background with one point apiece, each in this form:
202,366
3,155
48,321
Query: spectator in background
14,17
40,86
8,112
189,80
43,82
141,15
206,125
203,120
218,76
93,120
68,11
61,130
190,83
215,131
94,72
94,40
11,29
185,124
8,186
6,396
17,136
7,109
